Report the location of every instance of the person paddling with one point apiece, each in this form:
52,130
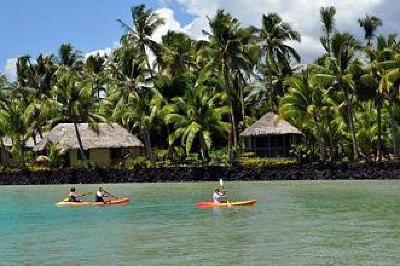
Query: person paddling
73,196
101,193
219,196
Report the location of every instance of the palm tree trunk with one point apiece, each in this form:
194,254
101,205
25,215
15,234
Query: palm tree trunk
242,96
321,144
170,151
22,155
3,148
78,137
271,94
349,111
379,118
20,151
269,77
149,146
321,147
328,44
230,101
393,129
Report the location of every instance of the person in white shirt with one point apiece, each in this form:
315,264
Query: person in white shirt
73,196
219,196
100,194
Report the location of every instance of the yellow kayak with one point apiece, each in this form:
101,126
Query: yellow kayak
122,201
211,204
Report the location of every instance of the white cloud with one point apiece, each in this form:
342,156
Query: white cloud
302,14
10,69
102,52
193,29
170,23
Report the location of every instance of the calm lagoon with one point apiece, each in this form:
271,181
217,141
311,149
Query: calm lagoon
293,223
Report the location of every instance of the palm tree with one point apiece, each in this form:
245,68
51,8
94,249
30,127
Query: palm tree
339,64
177,54
95,70
14,124
72,101
197,117
226,51
129,102
382,62
138,114
69,56
327,15
307,106
25,83
367,133
43,71
144,23
370,24
5,91
385,72
273,37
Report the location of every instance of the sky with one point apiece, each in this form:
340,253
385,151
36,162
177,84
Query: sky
40,26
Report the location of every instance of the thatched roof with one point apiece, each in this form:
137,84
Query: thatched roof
110,136
269,124
29,143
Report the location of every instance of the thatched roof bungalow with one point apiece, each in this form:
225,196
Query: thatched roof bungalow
270,136
5,149
110,144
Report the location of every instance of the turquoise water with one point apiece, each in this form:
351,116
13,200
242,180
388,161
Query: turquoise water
293,223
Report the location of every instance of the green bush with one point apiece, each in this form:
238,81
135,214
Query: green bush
162,155
138,162
301,152
265,161
218,157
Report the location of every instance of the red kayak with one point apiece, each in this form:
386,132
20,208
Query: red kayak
211,204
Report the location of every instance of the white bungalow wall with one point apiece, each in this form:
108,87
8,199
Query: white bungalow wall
97,157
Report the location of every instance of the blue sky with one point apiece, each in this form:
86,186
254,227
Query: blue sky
40,26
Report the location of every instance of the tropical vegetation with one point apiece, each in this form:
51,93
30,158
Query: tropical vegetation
192,97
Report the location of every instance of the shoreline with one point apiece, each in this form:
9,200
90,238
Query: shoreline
309,171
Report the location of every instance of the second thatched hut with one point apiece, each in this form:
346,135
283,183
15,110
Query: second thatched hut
270,136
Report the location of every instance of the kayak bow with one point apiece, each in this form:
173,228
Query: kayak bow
122,201
211,204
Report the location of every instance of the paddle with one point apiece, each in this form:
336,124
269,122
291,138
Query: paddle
111,195
222,187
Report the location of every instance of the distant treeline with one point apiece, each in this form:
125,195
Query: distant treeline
198,95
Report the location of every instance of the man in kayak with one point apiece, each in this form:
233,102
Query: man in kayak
73,196
220,196
100,194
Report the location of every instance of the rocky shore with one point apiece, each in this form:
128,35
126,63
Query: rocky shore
312,171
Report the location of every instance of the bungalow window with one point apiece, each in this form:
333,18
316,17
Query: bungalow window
80,155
